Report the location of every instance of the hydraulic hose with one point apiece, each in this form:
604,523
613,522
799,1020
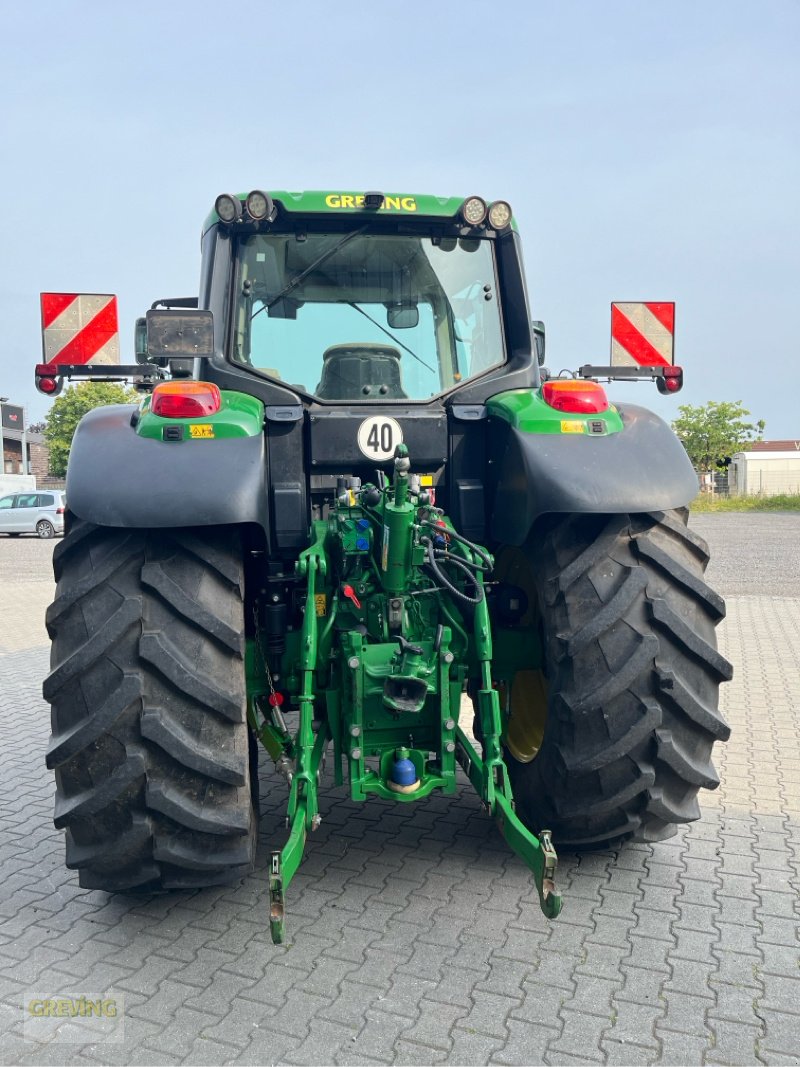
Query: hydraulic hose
473,565
487,559
440,575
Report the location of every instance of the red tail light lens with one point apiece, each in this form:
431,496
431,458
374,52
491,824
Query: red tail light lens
672,382
59,511
185,400
574,395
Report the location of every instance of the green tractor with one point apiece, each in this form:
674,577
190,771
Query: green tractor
351,504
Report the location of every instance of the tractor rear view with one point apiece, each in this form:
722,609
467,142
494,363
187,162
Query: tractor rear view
351,496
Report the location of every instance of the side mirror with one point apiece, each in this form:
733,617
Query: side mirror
538,339
402,316
179,334
140,340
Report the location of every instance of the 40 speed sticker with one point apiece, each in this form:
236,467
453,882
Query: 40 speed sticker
378,436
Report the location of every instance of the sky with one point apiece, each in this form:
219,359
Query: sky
650,151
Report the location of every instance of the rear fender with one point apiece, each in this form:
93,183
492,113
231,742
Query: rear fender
641,466
118,477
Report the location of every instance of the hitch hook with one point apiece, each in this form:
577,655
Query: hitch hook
276,904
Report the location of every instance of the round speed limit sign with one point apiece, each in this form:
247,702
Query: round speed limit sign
378,436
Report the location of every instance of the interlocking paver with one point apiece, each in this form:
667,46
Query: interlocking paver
626,1053
734,1043
634,1024
685,1013
603,961
650,953
642,985
693,945
324,1041
681,1048
407,1052
691,976
434,1024
237,1025
471,1047
490,1012
541,1002
614,932
527,1042
457,989
379,1036
580,1036
352,999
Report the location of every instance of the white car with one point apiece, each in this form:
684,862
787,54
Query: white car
39,513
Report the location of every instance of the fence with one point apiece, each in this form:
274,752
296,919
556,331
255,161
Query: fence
750,483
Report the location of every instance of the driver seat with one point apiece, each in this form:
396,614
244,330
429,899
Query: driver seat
357,370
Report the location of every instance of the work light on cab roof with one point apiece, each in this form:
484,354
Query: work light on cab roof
229,208
499,215
474,211
259,205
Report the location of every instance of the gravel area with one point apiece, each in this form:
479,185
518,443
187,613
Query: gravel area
756,554
752,554
26,559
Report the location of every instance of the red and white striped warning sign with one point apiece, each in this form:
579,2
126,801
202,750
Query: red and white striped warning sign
642,334
80,328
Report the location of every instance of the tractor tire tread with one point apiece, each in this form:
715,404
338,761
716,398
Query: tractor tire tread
151,755
633,673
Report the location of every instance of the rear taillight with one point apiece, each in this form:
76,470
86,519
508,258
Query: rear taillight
185,400
570,394
672,382
59,511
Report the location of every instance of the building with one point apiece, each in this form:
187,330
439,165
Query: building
775,446
14,471
19,472
767,468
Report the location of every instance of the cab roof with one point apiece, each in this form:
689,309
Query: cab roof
350,202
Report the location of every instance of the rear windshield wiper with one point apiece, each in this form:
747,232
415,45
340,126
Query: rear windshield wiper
311,267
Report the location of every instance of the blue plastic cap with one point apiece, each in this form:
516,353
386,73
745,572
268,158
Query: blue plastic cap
403,772
363,524
362,543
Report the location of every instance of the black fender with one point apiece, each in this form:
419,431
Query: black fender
643,467
117,478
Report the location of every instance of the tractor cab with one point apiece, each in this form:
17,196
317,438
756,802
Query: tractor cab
363,322
367,316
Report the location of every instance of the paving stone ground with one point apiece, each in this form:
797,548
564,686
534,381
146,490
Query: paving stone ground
415,936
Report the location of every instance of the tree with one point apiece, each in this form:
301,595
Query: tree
68,410
712,433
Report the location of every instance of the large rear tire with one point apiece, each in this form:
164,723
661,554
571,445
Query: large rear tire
147,686
632,677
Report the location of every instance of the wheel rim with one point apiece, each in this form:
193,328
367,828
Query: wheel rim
526,703
45,529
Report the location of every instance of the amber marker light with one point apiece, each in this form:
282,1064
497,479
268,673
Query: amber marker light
578,397
185,400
